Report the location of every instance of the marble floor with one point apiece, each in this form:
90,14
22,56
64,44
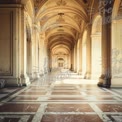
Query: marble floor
62,97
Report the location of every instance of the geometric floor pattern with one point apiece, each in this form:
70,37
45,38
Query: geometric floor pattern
60,103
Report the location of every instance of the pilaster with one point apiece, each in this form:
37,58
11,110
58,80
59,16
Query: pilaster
105,78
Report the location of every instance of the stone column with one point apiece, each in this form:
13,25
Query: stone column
88,54
33,53
79,55
78,60
45,56
24,79
36,49
69,63
72,59
41,54
105,78
75,58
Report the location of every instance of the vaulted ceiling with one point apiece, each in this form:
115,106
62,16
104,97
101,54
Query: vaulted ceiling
62,21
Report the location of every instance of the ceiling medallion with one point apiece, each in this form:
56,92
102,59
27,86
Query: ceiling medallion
60,30
61,3
60,26
60,19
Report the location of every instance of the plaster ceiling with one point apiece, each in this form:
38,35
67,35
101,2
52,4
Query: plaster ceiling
61,20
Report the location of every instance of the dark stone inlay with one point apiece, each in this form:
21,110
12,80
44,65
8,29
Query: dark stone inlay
4,92
65,98
71,118
32,93
64,87
26,98
69,108
9,119
66,90
38,87
66,93
35,90
98,93
105,98
110,107
19,107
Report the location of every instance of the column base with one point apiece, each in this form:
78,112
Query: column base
2,83
87,75
104,82
35,75
12,82
25,80
79,73
75,71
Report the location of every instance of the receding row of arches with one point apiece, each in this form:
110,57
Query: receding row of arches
76,58
64,34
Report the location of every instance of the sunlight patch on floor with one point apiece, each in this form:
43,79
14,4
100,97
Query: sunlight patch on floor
76,81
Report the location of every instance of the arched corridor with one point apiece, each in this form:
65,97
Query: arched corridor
51,49
37,34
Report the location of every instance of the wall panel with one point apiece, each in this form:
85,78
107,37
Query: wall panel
6,43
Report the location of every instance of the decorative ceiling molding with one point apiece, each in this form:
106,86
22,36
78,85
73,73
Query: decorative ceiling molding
65,9
120,9
38,4
61,3
60,19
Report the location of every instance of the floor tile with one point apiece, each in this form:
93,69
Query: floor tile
115,118
71,118
110,107
105,98
66,93
6,119
69,108
32,93
26,98
66,98
19,107
98,93
64,87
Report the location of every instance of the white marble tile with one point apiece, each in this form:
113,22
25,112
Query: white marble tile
117,118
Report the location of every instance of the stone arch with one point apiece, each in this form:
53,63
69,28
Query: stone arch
97,24
60,61
116,8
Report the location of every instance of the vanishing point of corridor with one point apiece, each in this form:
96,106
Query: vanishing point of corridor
60,60
61,96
